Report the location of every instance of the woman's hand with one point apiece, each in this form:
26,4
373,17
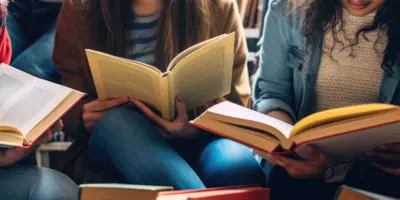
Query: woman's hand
180,127
390,154
12,155
95,110
315,165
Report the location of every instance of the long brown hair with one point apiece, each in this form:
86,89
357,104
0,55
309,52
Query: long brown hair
182,24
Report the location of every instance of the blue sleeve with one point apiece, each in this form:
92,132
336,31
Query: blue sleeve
273,86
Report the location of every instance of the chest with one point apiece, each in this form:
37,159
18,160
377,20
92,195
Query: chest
305,63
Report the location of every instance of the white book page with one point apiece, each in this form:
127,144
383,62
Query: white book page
352,146
233,110
25,100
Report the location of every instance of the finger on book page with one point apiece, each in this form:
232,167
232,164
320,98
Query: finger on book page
57,127
181,108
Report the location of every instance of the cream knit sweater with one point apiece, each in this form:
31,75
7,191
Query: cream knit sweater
351,75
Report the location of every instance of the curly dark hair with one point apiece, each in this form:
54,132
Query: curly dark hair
326,15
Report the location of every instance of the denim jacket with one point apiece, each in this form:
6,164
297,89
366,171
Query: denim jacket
288,68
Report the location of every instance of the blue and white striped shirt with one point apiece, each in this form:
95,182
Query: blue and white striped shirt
141,39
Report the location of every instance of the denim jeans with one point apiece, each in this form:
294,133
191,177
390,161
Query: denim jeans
35,183
361,175
31,25
126,144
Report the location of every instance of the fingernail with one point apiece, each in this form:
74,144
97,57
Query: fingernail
178,98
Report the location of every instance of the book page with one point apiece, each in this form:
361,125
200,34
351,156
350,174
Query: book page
205,74
115,77
232,110
26,100
190,50
349,140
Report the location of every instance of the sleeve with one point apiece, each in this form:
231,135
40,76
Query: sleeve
5,46
70,61
240,90
273,86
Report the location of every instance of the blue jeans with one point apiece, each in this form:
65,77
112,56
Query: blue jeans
361,175
126,144
35,183
31,25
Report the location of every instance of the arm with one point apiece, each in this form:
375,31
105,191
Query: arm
70,59
240,90
272,90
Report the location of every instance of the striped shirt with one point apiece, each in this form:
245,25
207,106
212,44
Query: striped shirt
141,39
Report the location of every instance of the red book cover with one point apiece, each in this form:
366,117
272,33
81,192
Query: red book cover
235,193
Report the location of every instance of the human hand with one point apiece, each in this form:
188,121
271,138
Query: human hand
95,110
315,165
180,127
12,155
390,155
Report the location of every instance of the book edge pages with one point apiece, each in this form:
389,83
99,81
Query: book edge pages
68,103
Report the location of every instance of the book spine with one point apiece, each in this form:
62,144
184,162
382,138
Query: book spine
167,97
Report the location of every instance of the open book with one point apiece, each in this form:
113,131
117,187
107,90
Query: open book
199,74
343,133
29,106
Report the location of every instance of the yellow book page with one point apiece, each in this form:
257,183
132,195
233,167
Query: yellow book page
10,136
338,114
205,74
115,77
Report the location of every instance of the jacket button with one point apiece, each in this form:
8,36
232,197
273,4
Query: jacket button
300,66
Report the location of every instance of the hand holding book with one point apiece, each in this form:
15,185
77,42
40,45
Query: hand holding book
313,166
12,155
387,158
180,126
95,110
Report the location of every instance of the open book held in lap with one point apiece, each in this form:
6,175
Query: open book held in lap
343,133
199,74
29,106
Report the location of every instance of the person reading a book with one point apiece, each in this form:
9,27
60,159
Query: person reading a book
123,138
323,54
19,180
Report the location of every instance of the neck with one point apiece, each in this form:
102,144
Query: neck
146,7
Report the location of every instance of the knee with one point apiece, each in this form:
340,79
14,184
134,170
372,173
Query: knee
119,118
54,185
121,123
225,162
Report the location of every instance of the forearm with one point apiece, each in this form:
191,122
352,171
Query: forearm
283,116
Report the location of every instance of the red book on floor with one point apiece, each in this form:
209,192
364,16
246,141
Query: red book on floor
231,193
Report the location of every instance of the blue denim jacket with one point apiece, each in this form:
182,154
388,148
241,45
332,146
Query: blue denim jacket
288,69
